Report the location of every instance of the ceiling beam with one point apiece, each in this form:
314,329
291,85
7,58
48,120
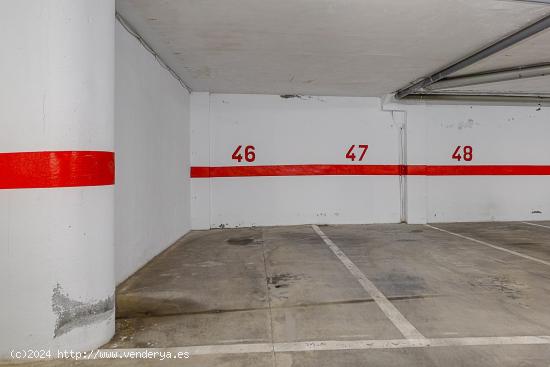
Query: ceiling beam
492,49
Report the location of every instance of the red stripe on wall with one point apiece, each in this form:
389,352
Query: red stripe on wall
367,170
56,169
294,170
481,170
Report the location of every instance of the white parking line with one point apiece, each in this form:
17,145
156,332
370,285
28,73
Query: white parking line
392,313
407,343
491,245
333,345
536,224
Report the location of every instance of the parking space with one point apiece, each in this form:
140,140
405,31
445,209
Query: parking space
391,294
544,224
528,238
448,286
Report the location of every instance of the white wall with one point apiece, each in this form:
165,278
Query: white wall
499,135
319,130
152,157
293,131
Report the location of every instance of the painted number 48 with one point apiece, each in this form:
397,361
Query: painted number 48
467,153
249,154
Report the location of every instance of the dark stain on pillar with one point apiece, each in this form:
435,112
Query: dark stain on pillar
72,314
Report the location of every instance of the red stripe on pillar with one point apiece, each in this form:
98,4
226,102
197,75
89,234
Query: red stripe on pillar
201,172
368,170
25,170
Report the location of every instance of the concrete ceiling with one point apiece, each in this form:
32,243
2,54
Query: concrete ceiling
327,47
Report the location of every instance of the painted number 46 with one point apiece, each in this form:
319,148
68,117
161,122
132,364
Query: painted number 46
361,149
249,154
467,153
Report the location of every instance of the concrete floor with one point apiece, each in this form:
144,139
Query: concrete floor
253,291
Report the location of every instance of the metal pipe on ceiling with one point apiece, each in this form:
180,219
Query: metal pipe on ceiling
446,98
535,1
498,46
520,72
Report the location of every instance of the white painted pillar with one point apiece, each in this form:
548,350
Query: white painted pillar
416,145
417,148
56,209
200,157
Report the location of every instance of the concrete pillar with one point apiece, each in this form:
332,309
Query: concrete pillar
200,157
418,148
56,174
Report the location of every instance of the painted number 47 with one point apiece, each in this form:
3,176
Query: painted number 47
467,153
361,149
